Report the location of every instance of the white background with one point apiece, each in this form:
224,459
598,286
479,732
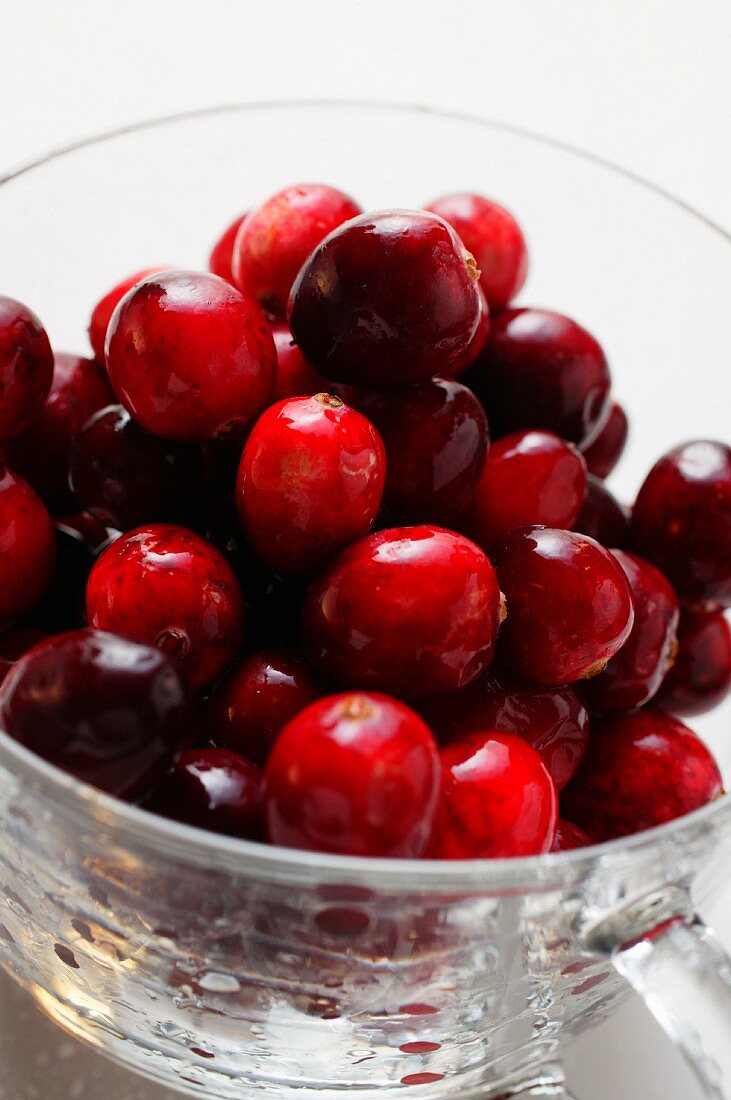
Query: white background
645,83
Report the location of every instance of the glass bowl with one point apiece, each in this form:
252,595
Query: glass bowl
228,969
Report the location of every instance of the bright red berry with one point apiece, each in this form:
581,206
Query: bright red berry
26,367
603,454
28,546
568,837
214,789
103,310
295,376
700,676
219,261
602,517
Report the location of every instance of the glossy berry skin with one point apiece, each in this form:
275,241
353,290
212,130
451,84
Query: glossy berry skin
633,676
410,610
26,367
219,261
554,721
387,300
436,439
213,789
277,238
355,774
640,770
568,837
310,482
27,546
497,800
542,370
606,450
493,236
530,477
477,343
602,517
106,710
295,376
681,521
105,307
14,643
252,705
190,357
167,587
700,677
569,605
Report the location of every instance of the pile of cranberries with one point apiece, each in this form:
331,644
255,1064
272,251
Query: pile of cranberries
316,549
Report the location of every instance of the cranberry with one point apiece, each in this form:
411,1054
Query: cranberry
602,517
295,376
553,721
28,546
542,370
530,477
62,605
14,643
497,800
214,789
681,520
104,309
700,677
26,367
310,481
569,604
219,261
436,441
640,770
413,610
386,300
250,708
91,532
568,837
477,344
168,587
494,238
102,708
277,238
356,774
190,357
606,450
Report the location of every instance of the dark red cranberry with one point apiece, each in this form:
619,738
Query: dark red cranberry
553,721
166,586
640,770
62,607
386,300
602,517
700,677
542,370
295,376
26,367
681,521
436,441
568,837
605,452
494,238
86,528
214,789
28,546
277,238
356,774
14,643
530,477
219,261
190,357
310,481
102,708
477,343
569,604
634,675
104,309
249,709
412,610
497,800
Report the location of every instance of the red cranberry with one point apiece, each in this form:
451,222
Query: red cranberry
412,610
605,452
219,261
14,643
102,708
28,546
602,517
310,481
497,800
542,370
681,520
85,527
190,357
700,677
104,309
168,587
530,477
640,770
386,300
477,344
26,367
214,789
277,238
295,376
568,837
354,774
250,708
436,441
494,238
569,604
553,721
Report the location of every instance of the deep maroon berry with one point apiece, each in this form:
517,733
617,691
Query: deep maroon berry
295,376
681,521
640,770
62,606
214,789
356,774
569,604
104,309
700,677
606,450
190,357
412,610
386,300
477,343
14,643
568,837
28,548
26,367
219,261
602,517
168,587
102,708
91,532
